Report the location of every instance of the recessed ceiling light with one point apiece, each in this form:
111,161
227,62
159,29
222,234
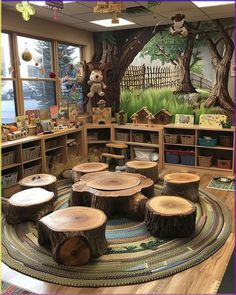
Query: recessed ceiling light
108,22
211,3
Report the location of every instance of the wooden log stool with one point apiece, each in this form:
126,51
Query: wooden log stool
147,168
116,151
113,193
185,185
170,217
84,168
75,234
46,181
29,204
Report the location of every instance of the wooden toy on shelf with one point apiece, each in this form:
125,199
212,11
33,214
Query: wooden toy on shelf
101,114
141,116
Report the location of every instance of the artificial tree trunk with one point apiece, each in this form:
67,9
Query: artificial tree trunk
221,65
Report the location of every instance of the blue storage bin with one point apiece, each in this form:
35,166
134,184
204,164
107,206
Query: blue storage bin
172,156
187,158
205,141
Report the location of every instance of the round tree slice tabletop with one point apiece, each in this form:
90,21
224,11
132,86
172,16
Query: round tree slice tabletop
90,167
38,180
31,196
141,164
170,205
74,219
114,182
181,178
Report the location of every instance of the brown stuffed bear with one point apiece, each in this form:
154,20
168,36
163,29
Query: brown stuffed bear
96,83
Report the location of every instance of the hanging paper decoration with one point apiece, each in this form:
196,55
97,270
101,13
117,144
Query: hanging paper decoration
112,7
26,9
55,6
26,55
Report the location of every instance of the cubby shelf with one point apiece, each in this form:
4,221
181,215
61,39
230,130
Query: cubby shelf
11,166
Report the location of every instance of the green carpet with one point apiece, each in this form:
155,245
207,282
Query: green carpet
133,255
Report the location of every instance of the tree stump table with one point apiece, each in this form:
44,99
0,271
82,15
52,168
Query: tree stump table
29,204
75,234
182,184
46,181
84,168
147,168
170,217
123,193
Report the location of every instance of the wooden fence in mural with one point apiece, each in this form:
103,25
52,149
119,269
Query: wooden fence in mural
140,77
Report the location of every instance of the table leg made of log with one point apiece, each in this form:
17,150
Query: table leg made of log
75,234
122,193
182,184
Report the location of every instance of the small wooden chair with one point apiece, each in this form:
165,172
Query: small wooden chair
116,151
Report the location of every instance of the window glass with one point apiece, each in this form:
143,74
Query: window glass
39,57
8,102
6,69
38,94
70,72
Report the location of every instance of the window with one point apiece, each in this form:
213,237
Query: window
8,84
37,87
70,72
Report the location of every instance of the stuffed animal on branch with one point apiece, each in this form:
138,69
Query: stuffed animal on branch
178,25
96,83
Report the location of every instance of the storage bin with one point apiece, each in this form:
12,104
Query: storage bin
8,158
172,156
9,179
207,141
224,164
32,170
92,136
171,138
143,154
138,137
226,140
122,136
187,158
187,139
154,138
31,153
205,161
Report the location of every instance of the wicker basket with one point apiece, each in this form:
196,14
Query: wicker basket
32,170
226,140
187,139
205,161
8,158
92,136
171,138
31,153
224,164
154,138
122,136
9,179
138,137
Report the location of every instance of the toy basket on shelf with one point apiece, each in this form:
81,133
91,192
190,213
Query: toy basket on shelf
171,138
205,161
187,158
32,170
122,136
8,158
207,141
154,138
224,164
138,137
9,179
226,140
187,139
172,156
31,153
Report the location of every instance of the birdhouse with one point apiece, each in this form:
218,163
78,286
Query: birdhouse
162,117
141,116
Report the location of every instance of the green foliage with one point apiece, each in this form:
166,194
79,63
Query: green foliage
197,68
155,100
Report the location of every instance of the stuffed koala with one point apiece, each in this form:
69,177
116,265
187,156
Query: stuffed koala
96,83
178,26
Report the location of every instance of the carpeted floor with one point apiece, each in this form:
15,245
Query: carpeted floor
133,255
10,289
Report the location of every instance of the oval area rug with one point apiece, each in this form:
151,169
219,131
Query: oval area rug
133,255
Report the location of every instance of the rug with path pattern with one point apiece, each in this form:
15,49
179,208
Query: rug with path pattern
133,256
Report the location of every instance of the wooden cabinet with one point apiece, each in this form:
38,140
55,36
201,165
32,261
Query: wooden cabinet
143,141
200,147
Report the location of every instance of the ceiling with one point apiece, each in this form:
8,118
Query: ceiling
80,13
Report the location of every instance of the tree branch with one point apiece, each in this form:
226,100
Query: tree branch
163,52
213,50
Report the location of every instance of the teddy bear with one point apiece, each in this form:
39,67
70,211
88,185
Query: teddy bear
96,83
178,25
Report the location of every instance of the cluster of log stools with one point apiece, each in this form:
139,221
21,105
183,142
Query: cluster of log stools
77,234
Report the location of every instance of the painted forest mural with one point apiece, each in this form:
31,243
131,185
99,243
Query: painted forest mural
180,59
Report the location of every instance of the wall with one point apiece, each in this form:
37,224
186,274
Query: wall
12,21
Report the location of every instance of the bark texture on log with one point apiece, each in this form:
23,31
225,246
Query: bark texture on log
170,217
185,185
75,234
146,168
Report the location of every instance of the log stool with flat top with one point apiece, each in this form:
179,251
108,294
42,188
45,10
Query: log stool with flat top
117,151
170,217
29,204
147,168
84,168
185,185
46,181
76,234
